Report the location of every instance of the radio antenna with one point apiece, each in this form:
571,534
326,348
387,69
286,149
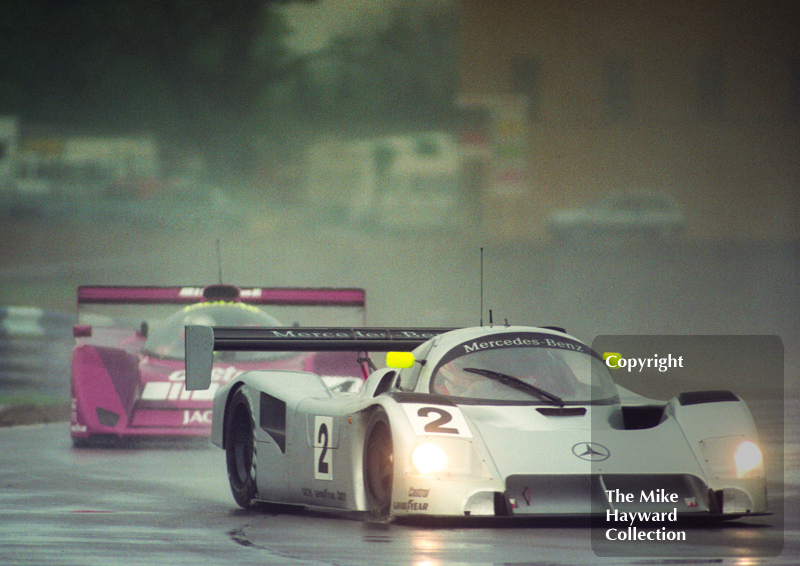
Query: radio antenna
219,263
481,317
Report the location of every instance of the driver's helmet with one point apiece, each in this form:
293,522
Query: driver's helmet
452,379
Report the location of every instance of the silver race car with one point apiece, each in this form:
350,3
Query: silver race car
485,421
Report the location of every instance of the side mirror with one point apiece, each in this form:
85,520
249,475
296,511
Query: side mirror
82,330
144,329
399,360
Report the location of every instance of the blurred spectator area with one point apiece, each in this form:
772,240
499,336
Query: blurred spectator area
48,162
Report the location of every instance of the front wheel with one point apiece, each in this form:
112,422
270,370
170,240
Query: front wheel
240,450
378,465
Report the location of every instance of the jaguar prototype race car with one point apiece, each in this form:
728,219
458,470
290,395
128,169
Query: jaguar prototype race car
485,421
128,359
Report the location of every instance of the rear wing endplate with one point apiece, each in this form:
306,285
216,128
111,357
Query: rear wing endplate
203,341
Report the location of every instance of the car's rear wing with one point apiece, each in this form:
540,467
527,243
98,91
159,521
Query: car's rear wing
289,296
203,341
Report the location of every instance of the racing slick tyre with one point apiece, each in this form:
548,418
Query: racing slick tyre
240,451
378,465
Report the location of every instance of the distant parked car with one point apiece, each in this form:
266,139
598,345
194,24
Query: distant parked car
645,213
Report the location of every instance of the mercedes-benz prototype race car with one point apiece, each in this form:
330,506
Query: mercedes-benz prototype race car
486,421
128,359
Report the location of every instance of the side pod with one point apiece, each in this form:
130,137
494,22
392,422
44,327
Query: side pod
199,342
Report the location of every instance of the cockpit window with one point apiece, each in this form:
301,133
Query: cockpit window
166,338
524,367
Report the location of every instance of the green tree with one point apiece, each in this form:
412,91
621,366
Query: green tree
192,70
398,73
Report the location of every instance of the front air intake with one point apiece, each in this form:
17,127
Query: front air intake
106,417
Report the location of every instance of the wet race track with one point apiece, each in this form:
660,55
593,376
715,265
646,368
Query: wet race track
166,504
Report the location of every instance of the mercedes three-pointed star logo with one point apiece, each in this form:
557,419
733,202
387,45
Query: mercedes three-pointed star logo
591,451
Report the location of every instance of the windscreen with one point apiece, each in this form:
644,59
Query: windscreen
166,338
524,367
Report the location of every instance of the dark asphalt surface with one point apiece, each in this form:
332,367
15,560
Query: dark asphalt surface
168,504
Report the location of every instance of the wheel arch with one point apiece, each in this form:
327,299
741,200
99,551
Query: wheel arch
403,440
223,430
377,495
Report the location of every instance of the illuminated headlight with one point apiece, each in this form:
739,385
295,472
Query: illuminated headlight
748,459
447,459
733,457
428,458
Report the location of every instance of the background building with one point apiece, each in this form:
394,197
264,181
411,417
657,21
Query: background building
699,99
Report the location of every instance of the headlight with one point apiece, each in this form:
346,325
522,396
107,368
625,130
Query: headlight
447,459
733,457
428,458
749,461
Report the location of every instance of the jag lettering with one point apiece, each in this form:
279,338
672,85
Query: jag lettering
197,417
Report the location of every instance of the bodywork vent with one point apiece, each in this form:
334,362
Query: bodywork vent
106,417
574,494
272,419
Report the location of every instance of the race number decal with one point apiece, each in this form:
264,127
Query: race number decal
437,420
323,441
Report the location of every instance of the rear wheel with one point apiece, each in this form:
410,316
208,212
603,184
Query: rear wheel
378,465
240,450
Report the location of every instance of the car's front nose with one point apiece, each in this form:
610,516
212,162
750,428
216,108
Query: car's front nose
564,465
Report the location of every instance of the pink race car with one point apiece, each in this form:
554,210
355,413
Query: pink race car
128,372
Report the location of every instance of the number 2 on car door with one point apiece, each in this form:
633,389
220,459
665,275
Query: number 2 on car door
323,460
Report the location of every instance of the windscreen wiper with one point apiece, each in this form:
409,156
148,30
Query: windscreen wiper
517,383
